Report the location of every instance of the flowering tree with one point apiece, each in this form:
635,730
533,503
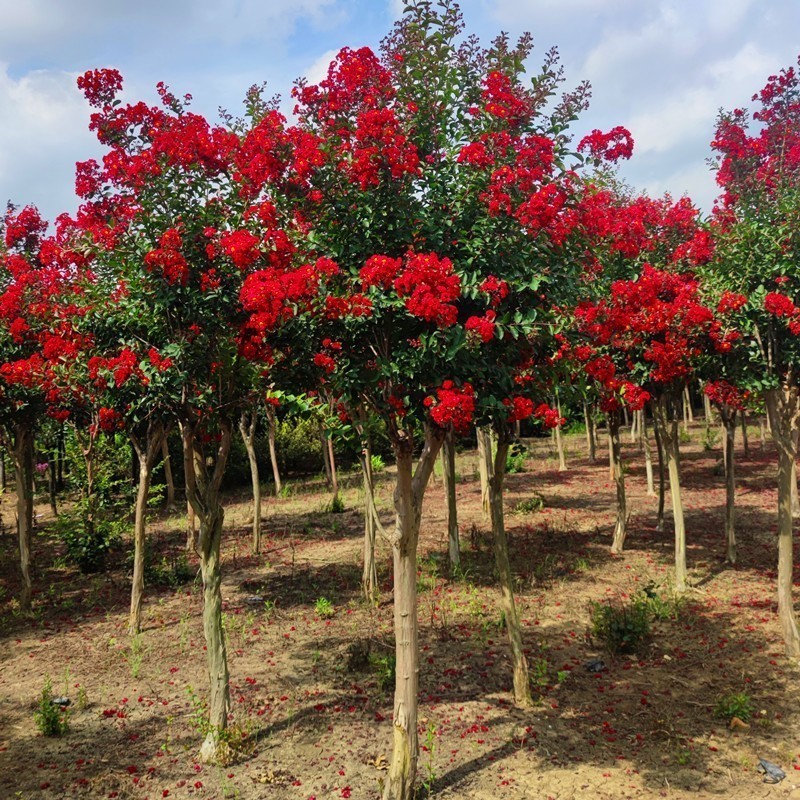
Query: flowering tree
757,158
36,334
176,224
624,237
434,183
647,338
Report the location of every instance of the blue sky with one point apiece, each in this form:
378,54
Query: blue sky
661,67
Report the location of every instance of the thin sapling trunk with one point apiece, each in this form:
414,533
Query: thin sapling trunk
146,451
408,494
449,478
620,528
203,492
247,429
522,689
783,406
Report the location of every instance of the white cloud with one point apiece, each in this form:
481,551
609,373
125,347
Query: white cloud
44,133
319,69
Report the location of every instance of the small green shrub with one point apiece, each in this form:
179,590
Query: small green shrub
377,463
516,458
335,505
50,719
710,437
735,704
324,608
621,627
385,669
662,608
88,548
530,505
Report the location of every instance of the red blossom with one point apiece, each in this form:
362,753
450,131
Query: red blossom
430,287
452,405
481,327
611,146
779,305
519,408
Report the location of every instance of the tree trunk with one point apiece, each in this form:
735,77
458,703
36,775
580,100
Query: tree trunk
147,452
202,489
590,433
191,528
620,528
562,460
648,456
795,496
762,429
661,473
729,421
724,434
449,477
610,455
369,574
408,494
522,690
51,482
783,408
168,477
634,425
247,428
708,413
687,399
372,522
745,440
326,456
484,461
272,431
62,457
334,472
669,436
23,469
3,485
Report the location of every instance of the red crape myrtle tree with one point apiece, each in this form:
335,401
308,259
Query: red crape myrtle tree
36,333
432,179
622,235
758,226
649,336
173,236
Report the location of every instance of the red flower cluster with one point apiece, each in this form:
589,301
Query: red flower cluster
453,405
110,420
325,361
504,100
430,287
496,289
379,271
519,408
722,393
169,259
356,305
611,146
24,228
241,246
100,86
549,417
656,321
482,328
779,305
730,302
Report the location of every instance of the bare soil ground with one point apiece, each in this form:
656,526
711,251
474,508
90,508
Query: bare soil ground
309,692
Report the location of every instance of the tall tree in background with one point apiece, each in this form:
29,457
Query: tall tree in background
757,219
